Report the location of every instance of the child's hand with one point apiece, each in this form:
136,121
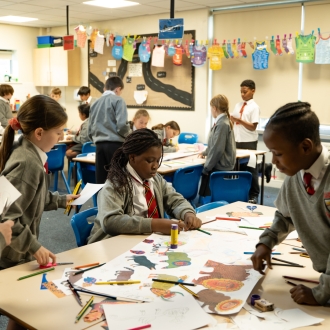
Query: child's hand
70,197
191,221
5,229
43,255
164,225
177,148
68,137
301,294
234,119
68,132
262,253
200,155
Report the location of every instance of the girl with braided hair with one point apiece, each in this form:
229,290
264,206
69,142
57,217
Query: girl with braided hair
292,135
135,197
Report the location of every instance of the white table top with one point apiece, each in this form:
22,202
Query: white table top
40,309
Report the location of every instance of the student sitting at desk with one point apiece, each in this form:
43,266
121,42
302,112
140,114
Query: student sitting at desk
166,133
292,135
221,148
140,120
135,197
81,136
85,95
6,92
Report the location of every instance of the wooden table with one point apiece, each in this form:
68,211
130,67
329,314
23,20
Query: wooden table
40,309
194,160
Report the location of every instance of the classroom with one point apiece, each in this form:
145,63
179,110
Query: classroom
78,53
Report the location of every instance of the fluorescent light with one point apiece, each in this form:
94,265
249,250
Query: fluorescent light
17,19
111,3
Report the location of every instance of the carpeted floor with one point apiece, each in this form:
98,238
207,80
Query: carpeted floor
56,233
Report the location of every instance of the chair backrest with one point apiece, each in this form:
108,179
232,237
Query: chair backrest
56,158
231,186
81,227
188,138
210,206
86,171
88,147
186,180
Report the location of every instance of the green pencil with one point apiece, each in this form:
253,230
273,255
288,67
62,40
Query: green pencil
37,273
84,309
251,227
203,231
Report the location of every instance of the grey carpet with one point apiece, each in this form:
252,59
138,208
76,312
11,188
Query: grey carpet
56,233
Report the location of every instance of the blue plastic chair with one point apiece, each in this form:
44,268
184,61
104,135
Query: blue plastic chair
81,227
210,206
186,181
56,163
231,186
190,138
87,147
86,173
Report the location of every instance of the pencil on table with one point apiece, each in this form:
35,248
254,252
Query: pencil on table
301,279
36,273
289,282
84,309
191,292
88,265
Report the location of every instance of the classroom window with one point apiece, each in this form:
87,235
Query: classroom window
6,64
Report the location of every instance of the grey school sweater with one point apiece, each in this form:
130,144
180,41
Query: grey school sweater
167,145
25,171
116,217
310,216
5,113
221,147
108,119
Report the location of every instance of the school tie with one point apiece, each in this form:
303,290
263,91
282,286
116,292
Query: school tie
307,180
78,130
151,201
46,167
164,141
241,111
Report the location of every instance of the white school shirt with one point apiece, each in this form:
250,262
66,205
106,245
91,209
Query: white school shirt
139,198
218,117
318,169
3,99
250,114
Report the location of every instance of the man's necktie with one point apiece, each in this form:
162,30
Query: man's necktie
307,180
151,201
241,111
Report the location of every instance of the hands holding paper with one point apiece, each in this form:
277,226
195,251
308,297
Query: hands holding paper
70,198
5,230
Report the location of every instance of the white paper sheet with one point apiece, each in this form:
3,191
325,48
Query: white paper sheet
179,154
183,314
89,191
8,195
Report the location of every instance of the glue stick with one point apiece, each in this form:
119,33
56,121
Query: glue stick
174,236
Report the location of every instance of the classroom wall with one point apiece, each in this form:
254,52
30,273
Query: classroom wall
279,83
23,40
191,121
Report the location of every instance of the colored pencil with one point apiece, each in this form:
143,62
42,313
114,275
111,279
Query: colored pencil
273,253
301,279
118,282
75,293
84,309
63,263
288,265
75,192
108,296
257,228
287,262
191,292
104,319
301,250
88,265
37,273
229,218
172,282
203,231
289,282
295,252
289,244
86,270
141,327
166,165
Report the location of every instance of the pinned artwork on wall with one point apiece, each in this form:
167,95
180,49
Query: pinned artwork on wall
168,87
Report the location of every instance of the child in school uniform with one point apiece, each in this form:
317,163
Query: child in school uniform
6,92
56,94
292,135
108,125
221,149
245,118
135,197
85,95
81,136
41,121
140,120
166,133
